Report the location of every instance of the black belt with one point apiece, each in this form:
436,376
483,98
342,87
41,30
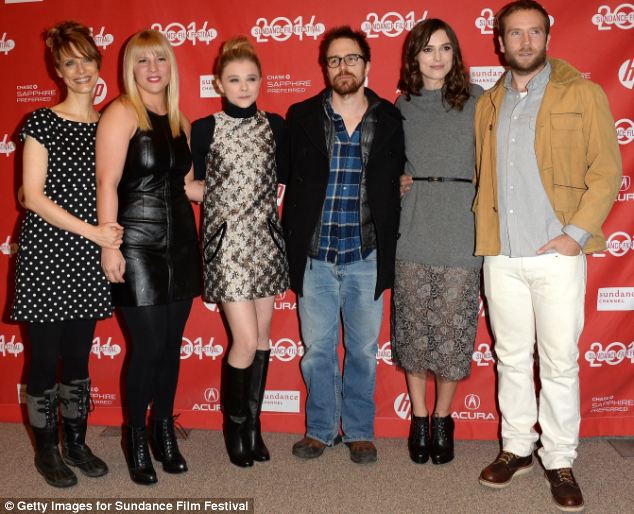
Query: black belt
442,179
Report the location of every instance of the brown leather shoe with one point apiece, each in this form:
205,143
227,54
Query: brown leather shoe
309,448
501,471
362,452
565,490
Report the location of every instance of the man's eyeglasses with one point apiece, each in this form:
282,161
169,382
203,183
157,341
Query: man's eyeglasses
350,60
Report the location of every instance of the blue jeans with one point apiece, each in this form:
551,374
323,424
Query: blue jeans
332,292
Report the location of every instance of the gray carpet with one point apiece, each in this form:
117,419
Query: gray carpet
331,483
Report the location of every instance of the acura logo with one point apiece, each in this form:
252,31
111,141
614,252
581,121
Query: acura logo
472,401
625,182
212,395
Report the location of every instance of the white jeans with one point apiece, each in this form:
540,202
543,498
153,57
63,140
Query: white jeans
541,297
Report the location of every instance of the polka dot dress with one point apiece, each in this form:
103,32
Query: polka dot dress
58,275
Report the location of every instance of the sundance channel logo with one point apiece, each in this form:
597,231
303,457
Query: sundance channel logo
281,401
485,76
615,299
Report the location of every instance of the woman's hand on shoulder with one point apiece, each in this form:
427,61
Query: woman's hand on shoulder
113,265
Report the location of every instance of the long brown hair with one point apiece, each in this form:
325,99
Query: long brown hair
455,91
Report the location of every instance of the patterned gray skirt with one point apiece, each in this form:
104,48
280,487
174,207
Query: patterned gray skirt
434,318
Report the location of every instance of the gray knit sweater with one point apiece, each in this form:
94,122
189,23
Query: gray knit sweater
437,226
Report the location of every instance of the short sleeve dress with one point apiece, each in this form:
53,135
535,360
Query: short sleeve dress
58,275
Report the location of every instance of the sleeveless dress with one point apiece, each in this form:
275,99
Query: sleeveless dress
58,274
160,243
244,254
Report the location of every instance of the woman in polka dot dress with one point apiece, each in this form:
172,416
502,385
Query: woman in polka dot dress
60,288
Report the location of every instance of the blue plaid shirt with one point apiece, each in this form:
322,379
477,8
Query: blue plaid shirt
340,237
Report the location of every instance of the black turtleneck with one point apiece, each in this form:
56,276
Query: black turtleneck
239,112
203,133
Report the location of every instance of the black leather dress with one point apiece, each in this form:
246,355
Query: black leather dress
160,243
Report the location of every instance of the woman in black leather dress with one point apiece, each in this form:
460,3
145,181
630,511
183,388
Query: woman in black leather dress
143,171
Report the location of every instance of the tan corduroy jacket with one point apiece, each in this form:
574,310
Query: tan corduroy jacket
577,154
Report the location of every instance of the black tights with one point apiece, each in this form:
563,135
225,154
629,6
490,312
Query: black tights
156,332
71,340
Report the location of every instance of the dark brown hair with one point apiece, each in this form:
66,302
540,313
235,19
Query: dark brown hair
344,32
236,49
68,34
456,87
520,5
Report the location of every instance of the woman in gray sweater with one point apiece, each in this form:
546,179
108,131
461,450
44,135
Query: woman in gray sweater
435,299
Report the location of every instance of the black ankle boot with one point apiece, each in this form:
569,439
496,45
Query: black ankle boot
418,441
165,445
235,392
75,399
260,367
441,439
137,455
43,417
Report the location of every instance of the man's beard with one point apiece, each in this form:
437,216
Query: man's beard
538,61
351,85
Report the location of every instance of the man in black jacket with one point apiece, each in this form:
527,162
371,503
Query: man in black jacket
341,219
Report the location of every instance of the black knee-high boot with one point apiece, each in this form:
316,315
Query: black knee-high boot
75,398
43,417
235,393
260,367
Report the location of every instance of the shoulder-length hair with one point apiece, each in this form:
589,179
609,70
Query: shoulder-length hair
153,42
65,36
456,86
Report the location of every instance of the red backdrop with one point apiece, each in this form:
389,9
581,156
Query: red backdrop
594,35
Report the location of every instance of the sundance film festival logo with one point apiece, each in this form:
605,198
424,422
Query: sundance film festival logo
10,347
384,353
177,33
624,131
619,244
391,24
621,17
197,348
8,248
282,29
211,396
483,355
486,21
102,39
403,406
100,92
614,354
286,349
626,74
7,146
107,349
6,45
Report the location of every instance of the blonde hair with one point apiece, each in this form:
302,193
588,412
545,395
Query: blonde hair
237,49
151,41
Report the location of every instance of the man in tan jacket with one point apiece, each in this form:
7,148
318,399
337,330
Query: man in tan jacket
548,170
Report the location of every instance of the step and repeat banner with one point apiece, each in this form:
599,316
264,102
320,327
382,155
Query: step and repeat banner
593,35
